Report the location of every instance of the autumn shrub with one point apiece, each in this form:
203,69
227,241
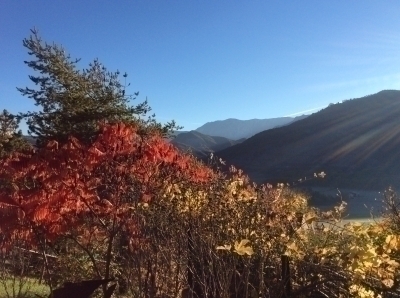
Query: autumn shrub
228,241
79,201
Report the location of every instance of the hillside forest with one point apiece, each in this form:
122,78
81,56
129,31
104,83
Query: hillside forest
103,195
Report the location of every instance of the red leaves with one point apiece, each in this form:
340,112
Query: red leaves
7,200
61,184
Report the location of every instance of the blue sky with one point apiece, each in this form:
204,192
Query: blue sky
199,61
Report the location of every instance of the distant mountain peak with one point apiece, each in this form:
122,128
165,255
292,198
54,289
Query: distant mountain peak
236,129
200,144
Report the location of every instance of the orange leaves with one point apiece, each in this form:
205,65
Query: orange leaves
40,214
157,151
117,139
60,186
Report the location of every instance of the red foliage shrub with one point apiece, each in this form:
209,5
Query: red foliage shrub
54,189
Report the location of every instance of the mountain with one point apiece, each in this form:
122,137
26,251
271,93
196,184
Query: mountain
356,143
31,140
201,145
178,132
235,129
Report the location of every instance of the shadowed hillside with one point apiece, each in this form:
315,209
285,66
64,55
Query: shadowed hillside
357,143
31,140
201,145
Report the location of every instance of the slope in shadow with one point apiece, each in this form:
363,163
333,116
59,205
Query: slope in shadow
356,143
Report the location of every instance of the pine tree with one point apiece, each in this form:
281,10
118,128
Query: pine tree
74,102
11,138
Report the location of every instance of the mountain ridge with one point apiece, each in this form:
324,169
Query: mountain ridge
346,140
200,144
236,129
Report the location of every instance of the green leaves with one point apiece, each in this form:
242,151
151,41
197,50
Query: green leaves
75,102
11,140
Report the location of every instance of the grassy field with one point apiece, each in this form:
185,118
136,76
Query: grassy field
22,288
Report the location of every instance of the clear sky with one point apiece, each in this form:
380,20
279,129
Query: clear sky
199,61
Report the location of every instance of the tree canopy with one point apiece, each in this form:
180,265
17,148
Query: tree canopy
73,101
11,138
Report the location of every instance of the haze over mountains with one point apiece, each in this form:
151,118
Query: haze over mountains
357,143
221,134
202,145
235,129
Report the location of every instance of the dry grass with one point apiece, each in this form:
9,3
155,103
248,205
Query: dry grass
22,287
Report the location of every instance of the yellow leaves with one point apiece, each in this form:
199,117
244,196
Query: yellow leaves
356,226
239,190
362,230
294,250
143,205
185,200
287,201
362,253
176,188
375,230
177,191
310,217
293,247
363,259
326,251
392,264
327,229
388,283
284,237
362,292
241,248
392,242
224,247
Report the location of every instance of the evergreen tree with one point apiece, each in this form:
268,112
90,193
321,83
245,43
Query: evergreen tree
11,138
74,101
